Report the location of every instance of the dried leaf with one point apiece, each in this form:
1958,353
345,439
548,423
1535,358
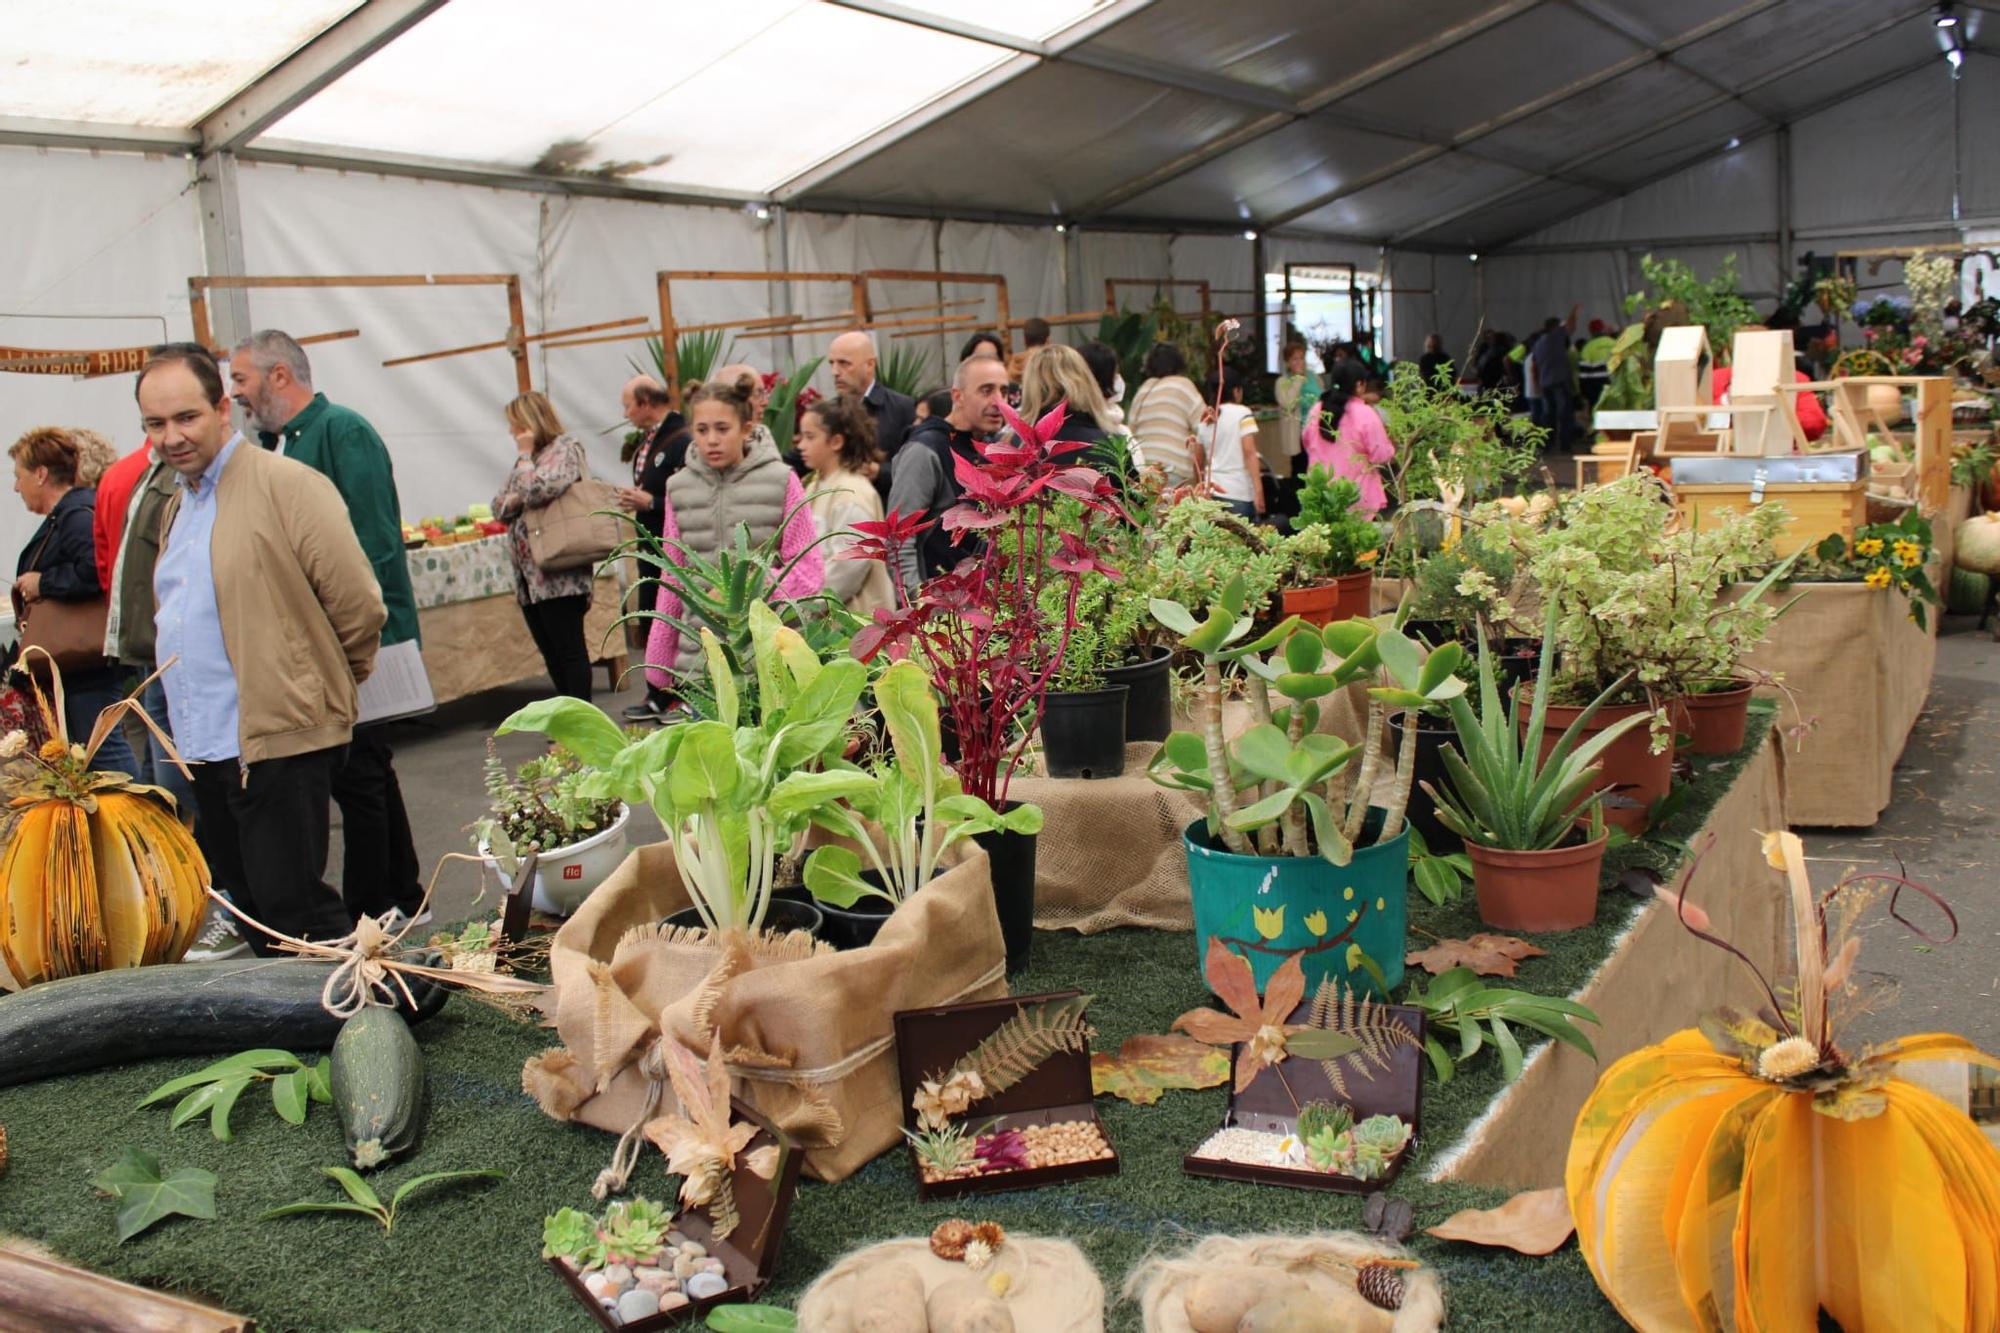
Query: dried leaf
1533,1222
1488,955
1147,1065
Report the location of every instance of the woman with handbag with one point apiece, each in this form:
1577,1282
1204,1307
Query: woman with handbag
58,601
547,463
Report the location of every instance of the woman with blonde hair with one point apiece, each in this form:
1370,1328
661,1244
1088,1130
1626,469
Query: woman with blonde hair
1058,376
548,461
837,444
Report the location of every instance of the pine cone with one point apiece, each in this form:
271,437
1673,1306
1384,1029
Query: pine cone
1380,1285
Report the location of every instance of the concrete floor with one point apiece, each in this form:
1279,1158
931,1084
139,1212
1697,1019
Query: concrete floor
1941,826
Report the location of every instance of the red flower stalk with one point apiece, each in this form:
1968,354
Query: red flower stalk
980,628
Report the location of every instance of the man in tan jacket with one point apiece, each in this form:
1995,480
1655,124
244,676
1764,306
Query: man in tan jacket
270,606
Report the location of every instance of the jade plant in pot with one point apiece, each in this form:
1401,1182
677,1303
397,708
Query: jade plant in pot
980,628
734,792
545,806
1334,551
1086,714
1532,824
900,820
1292,858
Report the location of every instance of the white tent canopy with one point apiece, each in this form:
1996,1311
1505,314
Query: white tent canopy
1057,142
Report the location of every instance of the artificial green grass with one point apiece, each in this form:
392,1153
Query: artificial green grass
466,1256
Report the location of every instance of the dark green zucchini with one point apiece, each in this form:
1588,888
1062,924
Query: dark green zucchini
378,1085
79,1024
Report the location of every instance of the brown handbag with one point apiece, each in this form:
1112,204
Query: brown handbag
70,632
573,530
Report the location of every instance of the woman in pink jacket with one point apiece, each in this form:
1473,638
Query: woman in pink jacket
1360,442
734,478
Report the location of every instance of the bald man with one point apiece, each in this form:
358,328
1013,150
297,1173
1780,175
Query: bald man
851,357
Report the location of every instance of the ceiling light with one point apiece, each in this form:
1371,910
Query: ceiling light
1945,18
1061,228
1249,235
1473,258
1733,144
1957,59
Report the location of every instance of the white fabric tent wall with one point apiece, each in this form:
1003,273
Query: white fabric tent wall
102,245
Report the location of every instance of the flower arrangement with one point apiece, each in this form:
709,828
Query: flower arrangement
1882,555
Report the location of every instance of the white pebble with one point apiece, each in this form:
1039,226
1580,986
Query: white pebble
596,1284
704,1285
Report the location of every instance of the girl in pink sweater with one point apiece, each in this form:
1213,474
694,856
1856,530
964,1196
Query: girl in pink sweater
1360,441
734,478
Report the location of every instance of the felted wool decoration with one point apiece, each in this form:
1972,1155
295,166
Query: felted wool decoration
1045,1286
1325,1265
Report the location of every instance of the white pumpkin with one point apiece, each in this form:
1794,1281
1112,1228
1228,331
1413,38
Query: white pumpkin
1979,544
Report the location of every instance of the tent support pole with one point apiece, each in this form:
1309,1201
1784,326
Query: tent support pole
224,319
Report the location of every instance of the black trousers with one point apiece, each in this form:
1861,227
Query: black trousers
264,831
557,627
379,867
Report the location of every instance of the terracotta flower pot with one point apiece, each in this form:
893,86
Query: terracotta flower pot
1343,598
1716,721
1537,891
1631,771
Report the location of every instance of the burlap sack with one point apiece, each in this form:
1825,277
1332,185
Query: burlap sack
1049,1286
1110,852
807,1031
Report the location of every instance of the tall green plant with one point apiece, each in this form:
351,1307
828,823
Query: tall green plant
1718,305
695,355
1444,439
905,368
781,414
1131,334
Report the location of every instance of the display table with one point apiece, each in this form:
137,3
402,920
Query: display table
473,1248
473,636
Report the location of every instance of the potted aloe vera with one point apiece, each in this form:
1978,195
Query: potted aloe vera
901,816
1532,823
1293,859
736,791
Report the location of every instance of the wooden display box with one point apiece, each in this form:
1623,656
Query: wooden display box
929,1041
750,1254
1817,508
1271,1105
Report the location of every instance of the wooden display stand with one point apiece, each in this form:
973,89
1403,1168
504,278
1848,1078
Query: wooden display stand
1853,417
1607,463
1762,418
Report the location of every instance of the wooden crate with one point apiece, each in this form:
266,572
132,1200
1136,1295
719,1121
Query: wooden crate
1818,508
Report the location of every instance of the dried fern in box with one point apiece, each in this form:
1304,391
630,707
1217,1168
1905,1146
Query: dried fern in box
1019,1045
1361,1018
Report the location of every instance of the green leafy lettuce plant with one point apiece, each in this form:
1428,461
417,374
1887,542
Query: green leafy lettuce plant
734,792
905,813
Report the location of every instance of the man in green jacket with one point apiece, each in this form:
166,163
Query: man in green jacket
271,380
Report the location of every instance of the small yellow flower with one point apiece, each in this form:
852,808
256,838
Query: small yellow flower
53,750
1270,922
1909,554
1877,578
1316,923
1367,557
1868,546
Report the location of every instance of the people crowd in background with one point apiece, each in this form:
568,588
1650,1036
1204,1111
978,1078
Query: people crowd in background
548,460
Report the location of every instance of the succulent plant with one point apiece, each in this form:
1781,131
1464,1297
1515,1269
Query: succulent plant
572,1235
1377,1140
634,1229
1331,1149
1317,1116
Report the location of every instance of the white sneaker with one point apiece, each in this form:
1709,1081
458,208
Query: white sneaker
218,940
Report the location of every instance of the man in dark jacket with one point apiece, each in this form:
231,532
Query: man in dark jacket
925,476
271,380
851,357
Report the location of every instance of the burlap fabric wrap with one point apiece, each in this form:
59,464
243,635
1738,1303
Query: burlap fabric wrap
1110,851
1049,1286
806,1030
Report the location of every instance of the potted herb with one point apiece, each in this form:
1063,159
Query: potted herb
981,629
1085,717
544,806
1450,449
903,818
1531,823
735,792
1292,858
1334,551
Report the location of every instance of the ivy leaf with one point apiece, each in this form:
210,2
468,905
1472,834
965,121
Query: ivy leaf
289,1094
145,1196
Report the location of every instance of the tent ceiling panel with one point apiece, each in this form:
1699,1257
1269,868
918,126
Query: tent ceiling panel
1791,31
1487,227
1279,171
996,153
710,113
1031,20
143,62
1406,200
1662,23
1598,115
1901,46
1691,138
1501,69
1281,45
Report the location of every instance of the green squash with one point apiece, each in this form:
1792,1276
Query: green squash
378,1085
1966,592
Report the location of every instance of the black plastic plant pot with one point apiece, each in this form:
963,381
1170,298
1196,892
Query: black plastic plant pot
1149,708
784,913
855,927
1433,735
1083,733
1013,866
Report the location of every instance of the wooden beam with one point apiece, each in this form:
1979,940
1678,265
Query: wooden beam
529,338
362,280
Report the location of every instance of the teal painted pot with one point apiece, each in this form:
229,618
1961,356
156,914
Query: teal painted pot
1267,907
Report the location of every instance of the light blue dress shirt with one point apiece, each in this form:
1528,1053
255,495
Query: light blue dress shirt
201,686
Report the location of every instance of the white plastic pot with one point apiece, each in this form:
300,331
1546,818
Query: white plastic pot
565,876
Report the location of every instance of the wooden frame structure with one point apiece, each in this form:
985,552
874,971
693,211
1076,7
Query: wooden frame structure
1111,286
515,342
1852,418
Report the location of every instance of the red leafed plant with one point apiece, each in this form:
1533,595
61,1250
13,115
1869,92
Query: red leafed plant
979,628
